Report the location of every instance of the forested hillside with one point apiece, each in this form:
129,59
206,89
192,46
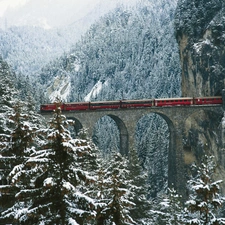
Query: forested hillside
131,52
28,49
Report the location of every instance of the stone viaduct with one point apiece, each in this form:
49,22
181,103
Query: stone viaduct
126,120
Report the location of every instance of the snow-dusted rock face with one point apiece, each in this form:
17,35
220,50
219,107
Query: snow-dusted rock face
59,88
200,32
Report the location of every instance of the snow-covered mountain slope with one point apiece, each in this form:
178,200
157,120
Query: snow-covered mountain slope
34,33
133,49
51,14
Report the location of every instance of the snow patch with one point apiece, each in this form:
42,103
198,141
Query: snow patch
72,222
76,67
223,122
96,90
198,46
49,182
68,186
60,89
42,22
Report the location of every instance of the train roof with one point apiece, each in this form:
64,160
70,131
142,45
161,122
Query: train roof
137,100
103,102
172,99
77,103
210,97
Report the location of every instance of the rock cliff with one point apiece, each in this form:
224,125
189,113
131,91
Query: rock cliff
200,32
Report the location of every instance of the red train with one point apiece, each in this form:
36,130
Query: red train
123,104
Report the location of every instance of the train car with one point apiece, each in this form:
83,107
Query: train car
105,105
47,107
123,104
208,100
76,106
161,102
137,103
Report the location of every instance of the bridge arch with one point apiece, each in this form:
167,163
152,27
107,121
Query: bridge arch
123,132
77,125
171,154
82,120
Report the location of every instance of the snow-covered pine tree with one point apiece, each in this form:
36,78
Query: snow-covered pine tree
205,198
88,160
54,193
167,209
8,97
22,136
23,133
113,197
138,189
18,145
